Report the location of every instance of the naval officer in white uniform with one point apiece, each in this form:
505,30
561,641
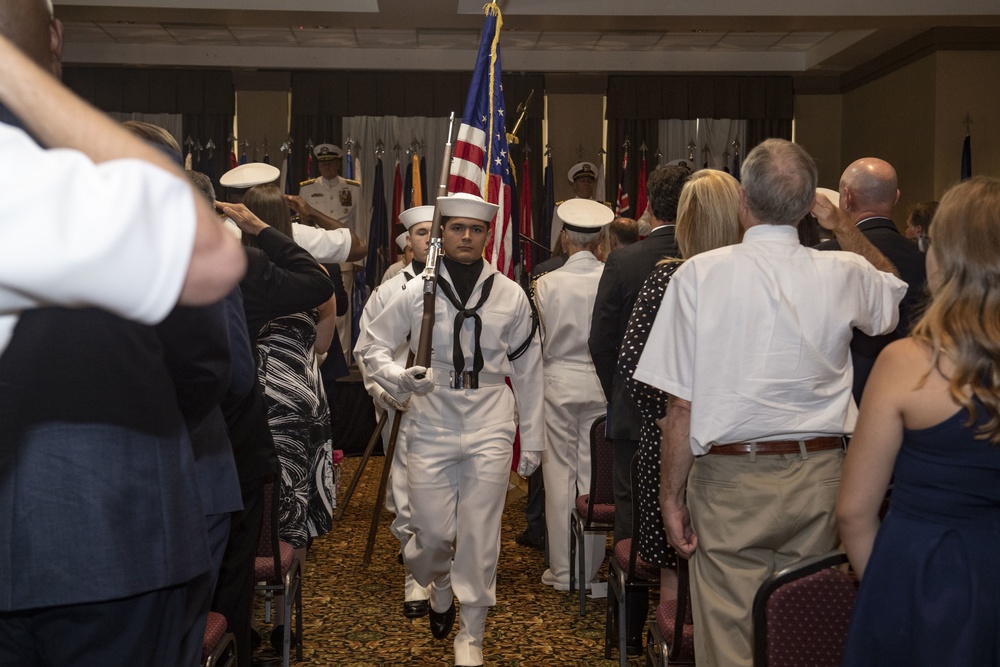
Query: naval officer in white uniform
417,221
461,421
574,398
339,198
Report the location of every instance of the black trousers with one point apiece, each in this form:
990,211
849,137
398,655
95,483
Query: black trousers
234,591
155,628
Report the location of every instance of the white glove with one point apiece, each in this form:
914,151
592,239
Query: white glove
528,463
409,382
388,402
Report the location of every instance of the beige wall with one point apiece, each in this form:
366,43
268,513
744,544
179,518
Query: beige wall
912,117
818,121
894,118
260,114
573,119
968,82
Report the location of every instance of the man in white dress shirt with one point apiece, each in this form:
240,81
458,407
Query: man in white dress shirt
158,242
574,398
752,345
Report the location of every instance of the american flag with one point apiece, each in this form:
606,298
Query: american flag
481,160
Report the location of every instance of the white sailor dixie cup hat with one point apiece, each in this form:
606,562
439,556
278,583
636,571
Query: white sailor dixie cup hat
832,195
417,214
580,170
250,174
584,215
465,205
401,240
324,152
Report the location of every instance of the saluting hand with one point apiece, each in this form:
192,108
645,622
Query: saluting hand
243,217
299,205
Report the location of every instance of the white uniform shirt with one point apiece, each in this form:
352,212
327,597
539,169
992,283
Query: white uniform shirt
376,304
507,323
328,246
757,337
565,300
338,198
118,236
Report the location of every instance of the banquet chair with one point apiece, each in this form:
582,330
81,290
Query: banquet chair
219,646
593,512
278,571
627,573
670,639
801,614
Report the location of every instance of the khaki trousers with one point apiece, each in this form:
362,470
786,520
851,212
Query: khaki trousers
752,518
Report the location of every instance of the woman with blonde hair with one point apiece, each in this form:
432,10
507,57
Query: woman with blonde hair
707,218
930,421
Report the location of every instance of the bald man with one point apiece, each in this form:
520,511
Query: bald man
868,193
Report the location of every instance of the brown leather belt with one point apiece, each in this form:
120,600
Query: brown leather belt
780,446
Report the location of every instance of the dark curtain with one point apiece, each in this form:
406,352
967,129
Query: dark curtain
759,129
205,98
765,102
637,131
321,99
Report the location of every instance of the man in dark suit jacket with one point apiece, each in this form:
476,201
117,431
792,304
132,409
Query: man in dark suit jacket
624,273
868,192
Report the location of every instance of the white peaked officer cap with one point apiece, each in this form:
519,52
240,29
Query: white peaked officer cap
325,152
401,240
412,216
465,205
584,215
250,174
581,169
832,195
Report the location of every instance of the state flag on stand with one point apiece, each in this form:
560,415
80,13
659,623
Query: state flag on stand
621,201
548,205
481,159
397,204
378,232
525,217
966,158
417,198
640,199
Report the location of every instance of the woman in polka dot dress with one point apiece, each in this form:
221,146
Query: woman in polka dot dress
707,218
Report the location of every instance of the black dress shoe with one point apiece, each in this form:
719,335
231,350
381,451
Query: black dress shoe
633,648
442,622
278,639
416,608
525,539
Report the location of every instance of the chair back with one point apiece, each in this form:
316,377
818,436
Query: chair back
601,462
267,543
801,614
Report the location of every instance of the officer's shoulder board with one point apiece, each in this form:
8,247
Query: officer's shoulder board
309,182
350,181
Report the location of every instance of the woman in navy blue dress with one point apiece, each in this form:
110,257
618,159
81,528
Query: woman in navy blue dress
930,420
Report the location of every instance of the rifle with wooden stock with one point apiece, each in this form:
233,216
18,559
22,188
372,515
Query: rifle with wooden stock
423,355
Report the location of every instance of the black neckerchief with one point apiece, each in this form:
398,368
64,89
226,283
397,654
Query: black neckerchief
416,268
466,277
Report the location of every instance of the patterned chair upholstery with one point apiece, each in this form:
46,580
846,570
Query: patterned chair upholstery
670,639
626,573
801,614
219,646
276,570
593,512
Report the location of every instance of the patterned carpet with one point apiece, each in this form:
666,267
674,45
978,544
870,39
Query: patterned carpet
352,615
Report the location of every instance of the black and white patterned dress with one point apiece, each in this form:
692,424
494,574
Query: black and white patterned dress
652,540
299,416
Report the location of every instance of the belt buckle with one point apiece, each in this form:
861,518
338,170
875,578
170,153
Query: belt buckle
463,380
